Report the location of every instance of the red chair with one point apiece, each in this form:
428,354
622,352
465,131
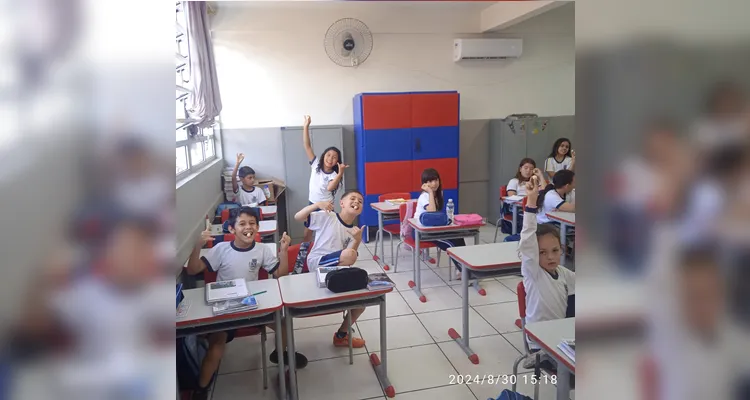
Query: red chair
409,241
509,218
521,323
390,229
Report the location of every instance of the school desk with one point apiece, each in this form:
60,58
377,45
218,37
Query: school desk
302,297
269,212
200,319
548,334
478,262
386,212
432,233
565,219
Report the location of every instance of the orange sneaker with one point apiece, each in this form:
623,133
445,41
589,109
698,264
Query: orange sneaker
344,341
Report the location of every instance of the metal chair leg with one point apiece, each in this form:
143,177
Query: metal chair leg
398,248
497,228
438,258
515,371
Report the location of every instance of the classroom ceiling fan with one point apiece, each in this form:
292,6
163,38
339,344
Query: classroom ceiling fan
348,42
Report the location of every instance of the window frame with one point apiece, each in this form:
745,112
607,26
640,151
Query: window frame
182,64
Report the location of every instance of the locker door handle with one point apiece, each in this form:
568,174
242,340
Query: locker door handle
417,145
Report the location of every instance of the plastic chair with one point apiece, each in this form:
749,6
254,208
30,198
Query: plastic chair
409,241
521,323
390,229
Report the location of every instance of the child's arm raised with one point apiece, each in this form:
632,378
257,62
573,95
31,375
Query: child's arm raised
528,246
306,139
195,264
305,212
332,185
283,256
235,184
572,160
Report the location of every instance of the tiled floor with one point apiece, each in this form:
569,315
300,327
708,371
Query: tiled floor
421,356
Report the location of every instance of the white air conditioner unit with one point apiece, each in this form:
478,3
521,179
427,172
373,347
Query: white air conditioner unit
486,49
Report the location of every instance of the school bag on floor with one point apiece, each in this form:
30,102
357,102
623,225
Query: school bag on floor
509,395
190,353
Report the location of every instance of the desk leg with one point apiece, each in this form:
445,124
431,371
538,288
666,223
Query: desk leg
280,347
563,382
563,241
349,334
463,342
381,365
416,273
479,289
290,347
514,229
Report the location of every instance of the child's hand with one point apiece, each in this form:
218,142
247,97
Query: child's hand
537,171
206,237
427,188
240,158
532,190
573,154
357,232
325,205
342,167
307,121
285,242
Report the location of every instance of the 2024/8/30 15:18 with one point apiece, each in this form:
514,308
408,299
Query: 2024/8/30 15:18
501,379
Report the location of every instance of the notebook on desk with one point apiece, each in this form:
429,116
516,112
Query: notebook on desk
226,290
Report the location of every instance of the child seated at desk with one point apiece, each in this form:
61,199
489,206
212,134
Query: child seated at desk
526,169
239,259
555,196
246,192
336,244
431,200
550,288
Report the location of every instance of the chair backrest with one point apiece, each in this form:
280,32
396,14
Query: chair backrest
402,211
392,196
503,191
521,293
292,252
523,202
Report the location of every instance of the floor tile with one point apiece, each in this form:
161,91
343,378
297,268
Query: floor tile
496,293
443,274
438,298
428,277
496,356
335,379
317,343
394,305
547,391
515,339
406,262
451,392
247,384
321,320
501,316
511,282
438,323
403,331
244,354
417,368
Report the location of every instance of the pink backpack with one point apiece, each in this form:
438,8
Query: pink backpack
467,219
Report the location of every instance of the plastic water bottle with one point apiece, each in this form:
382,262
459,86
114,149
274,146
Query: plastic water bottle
449,209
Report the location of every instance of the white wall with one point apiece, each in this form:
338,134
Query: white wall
272,66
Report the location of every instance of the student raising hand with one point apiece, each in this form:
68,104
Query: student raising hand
532,191
284,242
206,237
240,158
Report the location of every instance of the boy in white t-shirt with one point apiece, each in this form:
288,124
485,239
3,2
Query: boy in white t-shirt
336,244
550,287
239,259
246,193
554,197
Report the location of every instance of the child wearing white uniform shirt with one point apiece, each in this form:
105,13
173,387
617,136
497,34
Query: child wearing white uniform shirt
336,243
550,287
246,193
560,158
526,169
554,196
